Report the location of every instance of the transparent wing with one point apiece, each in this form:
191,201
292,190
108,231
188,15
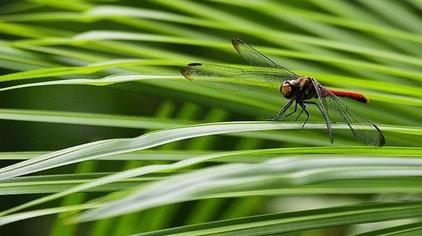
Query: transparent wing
334,109
324,108
235,78
253,57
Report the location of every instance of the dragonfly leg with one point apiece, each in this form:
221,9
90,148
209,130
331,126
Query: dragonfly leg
326,118
291,113
306,112
300,113
314,103
282,110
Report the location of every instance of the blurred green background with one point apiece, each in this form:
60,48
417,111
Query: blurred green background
373,47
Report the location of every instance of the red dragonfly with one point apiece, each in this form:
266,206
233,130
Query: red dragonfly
299,90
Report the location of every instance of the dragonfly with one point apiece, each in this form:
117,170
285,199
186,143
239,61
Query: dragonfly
300,91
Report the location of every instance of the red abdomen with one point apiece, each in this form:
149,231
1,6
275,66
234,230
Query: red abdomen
355,96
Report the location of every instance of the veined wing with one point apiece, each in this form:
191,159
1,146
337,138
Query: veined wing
255,58
334,109
320,91
235,78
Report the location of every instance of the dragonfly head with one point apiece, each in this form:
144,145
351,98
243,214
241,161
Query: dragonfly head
288,88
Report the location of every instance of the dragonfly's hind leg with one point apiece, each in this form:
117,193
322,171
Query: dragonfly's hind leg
306,112
300,113
316,104
326,118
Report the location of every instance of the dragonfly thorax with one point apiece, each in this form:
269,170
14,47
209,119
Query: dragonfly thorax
300,89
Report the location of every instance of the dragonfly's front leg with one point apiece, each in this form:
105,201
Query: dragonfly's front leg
282,110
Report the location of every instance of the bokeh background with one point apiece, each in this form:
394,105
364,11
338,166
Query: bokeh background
373,47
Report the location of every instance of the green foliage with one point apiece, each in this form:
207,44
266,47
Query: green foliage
151,153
